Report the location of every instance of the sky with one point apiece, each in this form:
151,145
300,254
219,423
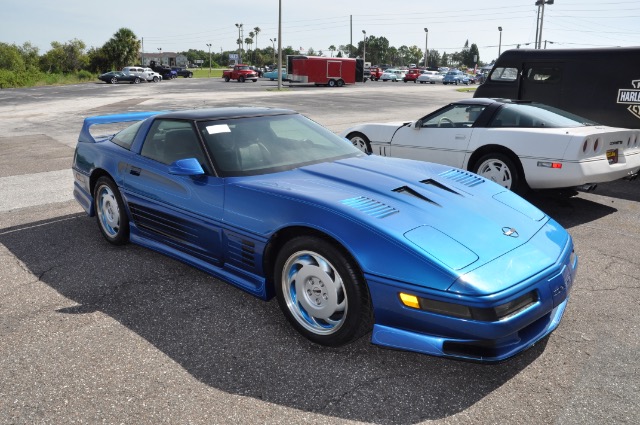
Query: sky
174,26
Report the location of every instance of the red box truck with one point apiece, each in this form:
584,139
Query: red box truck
332,72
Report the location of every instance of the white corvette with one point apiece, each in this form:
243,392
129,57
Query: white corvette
517,144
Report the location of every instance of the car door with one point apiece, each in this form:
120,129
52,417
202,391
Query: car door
441,137
181,211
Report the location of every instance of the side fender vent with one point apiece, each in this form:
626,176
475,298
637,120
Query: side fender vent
370,206
242,252
411,192
466,178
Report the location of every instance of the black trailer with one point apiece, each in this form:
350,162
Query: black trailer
600,84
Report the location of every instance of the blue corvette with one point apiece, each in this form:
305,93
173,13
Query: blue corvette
428,257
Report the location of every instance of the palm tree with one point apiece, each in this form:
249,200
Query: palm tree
332,48
122,49
256,30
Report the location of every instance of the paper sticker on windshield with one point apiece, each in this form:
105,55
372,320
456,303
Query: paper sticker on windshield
218,128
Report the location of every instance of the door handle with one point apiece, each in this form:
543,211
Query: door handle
135,171
460,137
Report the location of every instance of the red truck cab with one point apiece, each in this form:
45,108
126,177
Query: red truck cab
412,75
241,73
376,73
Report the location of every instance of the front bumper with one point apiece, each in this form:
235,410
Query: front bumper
400,327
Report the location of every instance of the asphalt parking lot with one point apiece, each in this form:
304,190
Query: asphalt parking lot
93,333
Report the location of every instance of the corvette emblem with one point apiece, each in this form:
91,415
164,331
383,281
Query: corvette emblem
510,231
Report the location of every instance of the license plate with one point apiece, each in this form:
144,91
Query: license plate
612,156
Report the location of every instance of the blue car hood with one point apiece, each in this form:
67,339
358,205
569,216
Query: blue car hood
456,219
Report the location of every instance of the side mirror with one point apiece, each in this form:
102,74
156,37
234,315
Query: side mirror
186,167
417,125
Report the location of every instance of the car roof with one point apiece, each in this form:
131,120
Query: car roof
225,113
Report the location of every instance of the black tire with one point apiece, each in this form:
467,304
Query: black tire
331,83
110,212
241,79
330,303
226,78
340,83
360,141
114,80
156,79
136,80
503,170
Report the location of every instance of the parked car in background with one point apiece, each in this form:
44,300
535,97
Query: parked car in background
411,75
145,74
392,74
424,257
166,72
376,73
430,77
241,73
114,77
519,145
456,77
182,72
273,75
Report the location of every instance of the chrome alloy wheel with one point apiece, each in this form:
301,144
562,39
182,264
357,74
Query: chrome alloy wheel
108,211
314,293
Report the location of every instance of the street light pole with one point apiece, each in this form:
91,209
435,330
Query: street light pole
540,4
500,44
280,45
426,47
160,54
209,45
364,47
273,45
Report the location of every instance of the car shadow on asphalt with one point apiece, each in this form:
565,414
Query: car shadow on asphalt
239,344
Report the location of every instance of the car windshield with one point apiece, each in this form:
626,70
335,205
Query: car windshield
260,145
536,115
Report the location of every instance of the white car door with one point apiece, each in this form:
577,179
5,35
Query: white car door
442,137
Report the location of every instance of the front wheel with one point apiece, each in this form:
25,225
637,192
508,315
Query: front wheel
331,83
113,80
110,212
321,291
226,78
241,79
360,141
502,170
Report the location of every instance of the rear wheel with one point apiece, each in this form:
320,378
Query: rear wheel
114,80
110,212
321,291
241,79
502,170
136,80
331,83
340,83
226,78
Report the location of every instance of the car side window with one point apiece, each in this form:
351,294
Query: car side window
125,137
544,75
171,140
504,74
456,116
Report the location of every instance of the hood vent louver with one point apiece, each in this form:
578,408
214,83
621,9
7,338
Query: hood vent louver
407,190
370,206
439,185
466,178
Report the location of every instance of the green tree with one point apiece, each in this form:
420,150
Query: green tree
65,58
10,58
122,49
332,49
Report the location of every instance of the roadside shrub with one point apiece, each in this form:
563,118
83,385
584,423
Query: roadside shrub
85,75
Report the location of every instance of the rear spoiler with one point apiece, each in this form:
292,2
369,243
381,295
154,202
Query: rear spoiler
85,136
